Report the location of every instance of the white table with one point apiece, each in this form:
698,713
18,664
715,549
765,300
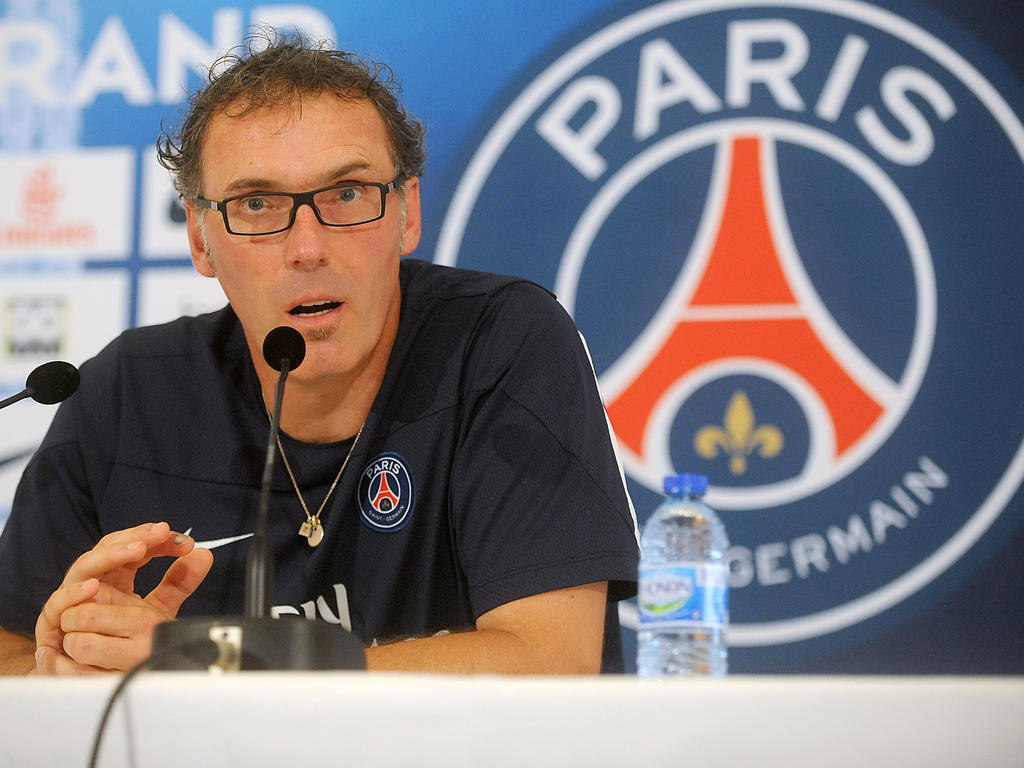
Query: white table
358,719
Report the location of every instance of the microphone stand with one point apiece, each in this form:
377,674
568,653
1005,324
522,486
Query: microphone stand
260,565
255,640
26,392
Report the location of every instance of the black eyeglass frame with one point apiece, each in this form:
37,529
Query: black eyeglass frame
304,198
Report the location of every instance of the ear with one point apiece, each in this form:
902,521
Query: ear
200,258
411,234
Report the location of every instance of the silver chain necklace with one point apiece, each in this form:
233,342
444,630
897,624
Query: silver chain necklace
312,530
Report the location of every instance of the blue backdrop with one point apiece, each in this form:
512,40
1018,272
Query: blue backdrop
789,231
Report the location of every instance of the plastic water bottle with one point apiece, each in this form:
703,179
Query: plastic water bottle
683,585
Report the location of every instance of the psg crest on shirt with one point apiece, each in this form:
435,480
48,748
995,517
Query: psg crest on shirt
385,493
791,235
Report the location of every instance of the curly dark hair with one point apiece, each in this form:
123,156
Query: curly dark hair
275,68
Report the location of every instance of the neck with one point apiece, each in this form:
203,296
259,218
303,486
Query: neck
329,408
323,411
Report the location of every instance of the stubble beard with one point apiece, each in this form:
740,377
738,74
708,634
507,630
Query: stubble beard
320,334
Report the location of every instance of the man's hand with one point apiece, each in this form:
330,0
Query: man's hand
95,622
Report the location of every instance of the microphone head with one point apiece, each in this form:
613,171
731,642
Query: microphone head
53,382
284,342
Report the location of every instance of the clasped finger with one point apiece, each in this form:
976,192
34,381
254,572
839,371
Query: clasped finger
106,652
48,631
114,619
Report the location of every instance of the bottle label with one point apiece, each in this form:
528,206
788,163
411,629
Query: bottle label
683,595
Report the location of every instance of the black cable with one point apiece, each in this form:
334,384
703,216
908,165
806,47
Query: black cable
105,718
200,648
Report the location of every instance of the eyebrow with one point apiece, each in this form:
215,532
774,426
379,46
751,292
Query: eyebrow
251,184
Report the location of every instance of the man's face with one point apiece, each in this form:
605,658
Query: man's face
279,279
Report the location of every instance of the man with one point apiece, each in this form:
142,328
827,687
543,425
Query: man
448,476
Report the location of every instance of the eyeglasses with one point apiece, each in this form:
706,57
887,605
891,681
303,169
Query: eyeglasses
339,205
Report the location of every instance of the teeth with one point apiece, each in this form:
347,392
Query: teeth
310,309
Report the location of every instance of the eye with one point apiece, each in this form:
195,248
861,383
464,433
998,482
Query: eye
349,194
254,204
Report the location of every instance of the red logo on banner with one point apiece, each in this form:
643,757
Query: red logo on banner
743,307
41,224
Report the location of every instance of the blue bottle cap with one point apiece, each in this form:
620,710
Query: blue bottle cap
689,484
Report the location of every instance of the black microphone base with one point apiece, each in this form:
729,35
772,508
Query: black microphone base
228,643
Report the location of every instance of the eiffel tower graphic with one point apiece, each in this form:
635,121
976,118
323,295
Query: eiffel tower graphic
743,305
384,500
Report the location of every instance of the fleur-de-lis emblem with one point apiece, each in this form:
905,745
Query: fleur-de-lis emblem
740,438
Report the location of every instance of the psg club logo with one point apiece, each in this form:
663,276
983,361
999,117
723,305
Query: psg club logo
385,493
790,233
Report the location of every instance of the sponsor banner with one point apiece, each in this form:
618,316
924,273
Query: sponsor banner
67,316
169,293
64,317
163,233
67,204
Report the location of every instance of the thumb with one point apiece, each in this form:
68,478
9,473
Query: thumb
181,580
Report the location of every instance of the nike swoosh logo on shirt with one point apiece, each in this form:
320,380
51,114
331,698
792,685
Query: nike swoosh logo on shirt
214,543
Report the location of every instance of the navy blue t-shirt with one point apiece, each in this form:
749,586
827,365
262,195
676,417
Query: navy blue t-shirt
485,471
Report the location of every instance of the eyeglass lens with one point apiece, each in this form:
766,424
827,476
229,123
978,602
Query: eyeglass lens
261,213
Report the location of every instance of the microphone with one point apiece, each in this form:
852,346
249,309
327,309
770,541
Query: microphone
284,346
255,640
283,349
48,384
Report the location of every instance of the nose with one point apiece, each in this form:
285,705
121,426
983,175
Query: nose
306,241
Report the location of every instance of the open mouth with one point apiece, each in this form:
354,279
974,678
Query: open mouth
314,308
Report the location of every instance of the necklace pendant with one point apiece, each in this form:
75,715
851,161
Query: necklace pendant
316,535
311,530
